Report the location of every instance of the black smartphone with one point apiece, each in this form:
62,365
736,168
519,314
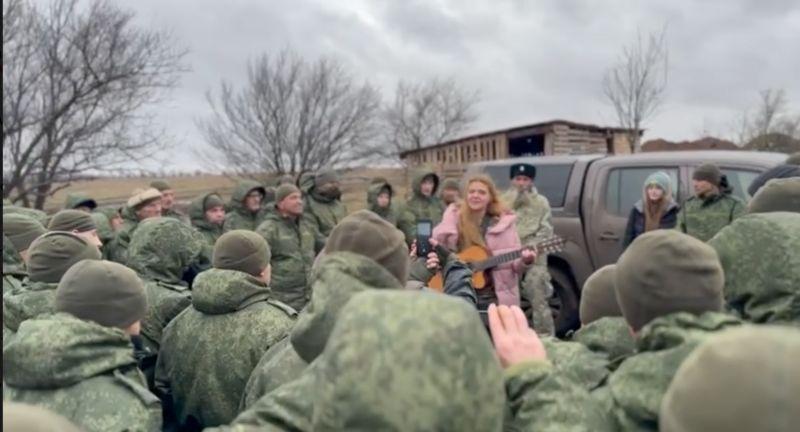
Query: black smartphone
424,231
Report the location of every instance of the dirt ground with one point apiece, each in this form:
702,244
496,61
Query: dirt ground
115,191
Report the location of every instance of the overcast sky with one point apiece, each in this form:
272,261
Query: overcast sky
531,60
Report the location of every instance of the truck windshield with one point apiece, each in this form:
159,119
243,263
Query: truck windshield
551,180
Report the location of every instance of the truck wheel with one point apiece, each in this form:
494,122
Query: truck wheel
564,302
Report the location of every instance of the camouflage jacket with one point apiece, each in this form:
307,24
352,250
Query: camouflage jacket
577,363
323,213
634,391
703,218
534,219
235,320
419,206
239,217
38,215
760,254
392,214
161,250
337,278
172,213
609,335
27,301
117,249
292,245
208,231
81,370
13,267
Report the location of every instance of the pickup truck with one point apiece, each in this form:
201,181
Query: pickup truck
592,195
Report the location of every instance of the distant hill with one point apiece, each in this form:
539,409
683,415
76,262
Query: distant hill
706,143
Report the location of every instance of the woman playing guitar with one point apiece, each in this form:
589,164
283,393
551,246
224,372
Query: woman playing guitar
482,220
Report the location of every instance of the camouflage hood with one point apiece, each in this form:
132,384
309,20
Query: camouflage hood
306,182
60,350
74,199
682,327
759,254
31,300
372,199
12,261
408,361
216,291
240,192
197,213
416,183
104,230
163,249
335,280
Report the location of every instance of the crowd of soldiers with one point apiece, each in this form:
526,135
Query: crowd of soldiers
278,310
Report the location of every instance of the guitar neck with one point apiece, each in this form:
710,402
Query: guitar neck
496,260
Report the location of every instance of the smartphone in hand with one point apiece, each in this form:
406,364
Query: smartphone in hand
424,231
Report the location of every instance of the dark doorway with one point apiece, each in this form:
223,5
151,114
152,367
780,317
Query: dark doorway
528,145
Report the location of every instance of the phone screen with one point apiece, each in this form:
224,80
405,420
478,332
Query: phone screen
424,229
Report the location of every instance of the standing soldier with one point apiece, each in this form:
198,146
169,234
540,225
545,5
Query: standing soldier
533,225
144,204
293,247
207,213
451,191
80,201
323,207
380,200
422,203
245,209
712,208
168,200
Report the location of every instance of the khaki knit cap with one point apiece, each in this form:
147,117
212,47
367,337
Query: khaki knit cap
597,297
19,417
21,230
777,195
72,220
744,379
142,197
451,183
366,233
284,191
52,254
211,201
242,250
160,185
708,172
105,292
664,272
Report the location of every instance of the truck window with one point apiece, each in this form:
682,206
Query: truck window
551,180
740,180
626,186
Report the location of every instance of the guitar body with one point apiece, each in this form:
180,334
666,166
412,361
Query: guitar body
472,254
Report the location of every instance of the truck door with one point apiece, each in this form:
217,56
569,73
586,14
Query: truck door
612,193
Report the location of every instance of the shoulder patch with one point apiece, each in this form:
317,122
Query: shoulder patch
284,307
136,386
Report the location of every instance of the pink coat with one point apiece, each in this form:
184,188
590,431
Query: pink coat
500,238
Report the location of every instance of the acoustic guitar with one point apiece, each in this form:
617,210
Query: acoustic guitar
481,261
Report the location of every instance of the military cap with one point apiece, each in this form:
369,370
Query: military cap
72,220
523,169
777,195
105,292
708,172
241,250
52,254
598,299
211,201
160,185
143,197
284,191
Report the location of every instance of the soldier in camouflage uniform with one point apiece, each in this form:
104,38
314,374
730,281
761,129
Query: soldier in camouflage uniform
381,201
533,225
777,195
423,203
77,222
80,201
230,302
744,379
364,252
163,252
80,361
712,208
13,267
245,210
760,254
293,245
21,230
37,215
168,200
451,192
142,205
51,255
207,213
323,208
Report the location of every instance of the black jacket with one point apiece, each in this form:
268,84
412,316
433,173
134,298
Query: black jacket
635,226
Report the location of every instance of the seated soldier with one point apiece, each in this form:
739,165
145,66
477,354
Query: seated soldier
235,318
80,361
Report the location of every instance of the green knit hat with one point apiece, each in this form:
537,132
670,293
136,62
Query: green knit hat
211,201
597,297
21,230
242,250
708,172
743,379
52,254
105,292
161,185
284,191
664,272
451,183
777,195
366,233
72,220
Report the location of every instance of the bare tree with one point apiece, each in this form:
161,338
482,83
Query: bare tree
76,86
635,86
428,113
770,125
290,116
